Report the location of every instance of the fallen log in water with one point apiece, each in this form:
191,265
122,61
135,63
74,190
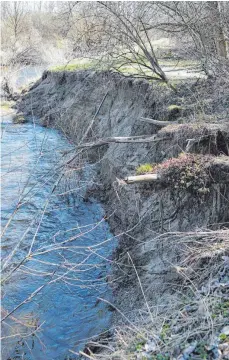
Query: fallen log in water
142,178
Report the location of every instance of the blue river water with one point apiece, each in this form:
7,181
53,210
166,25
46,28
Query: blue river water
56,248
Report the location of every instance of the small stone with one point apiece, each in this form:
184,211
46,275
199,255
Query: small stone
142,355
150,346
181,357
216,353
190,308
190,349
225,330
224,346
176,352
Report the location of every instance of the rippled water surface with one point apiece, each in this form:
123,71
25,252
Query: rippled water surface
53,261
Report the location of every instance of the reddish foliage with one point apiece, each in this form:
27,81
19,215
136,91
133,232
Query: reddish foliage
188,172
183,161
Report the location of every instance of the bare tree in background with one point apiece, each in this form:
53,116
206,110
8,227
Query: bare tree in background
15,16
124,38
18,42
205,23
220,28
120,35
66,16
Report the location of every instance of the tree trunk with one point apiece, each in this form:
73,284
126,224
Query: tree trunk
221,41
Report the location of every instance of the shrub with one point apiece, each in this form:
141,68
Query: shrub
187,172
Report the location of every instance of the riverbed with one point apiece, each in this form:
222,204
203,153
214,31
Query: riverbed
56,248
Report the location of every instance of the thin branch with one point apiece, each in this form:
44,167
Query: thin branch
159,123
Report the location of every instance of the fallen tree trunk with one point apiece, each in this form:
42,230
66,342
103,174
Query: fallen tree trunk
158,123
142,178
121,139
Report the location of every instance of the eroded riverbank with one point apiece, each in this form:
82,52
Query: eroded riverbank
161,227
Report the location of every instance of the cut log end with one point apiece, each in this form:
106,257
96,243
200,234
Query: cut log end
142,178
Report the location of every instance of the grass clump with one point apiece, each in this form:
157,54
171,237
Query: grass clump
221,309
177,63
165,331
174,107
19,119
174,111
144,169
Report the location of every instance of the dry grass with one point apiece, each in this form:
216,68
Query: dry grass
194,315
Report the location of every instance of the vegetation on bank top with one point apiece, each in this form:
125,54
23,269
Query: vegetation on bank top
5,105
132,69
79,64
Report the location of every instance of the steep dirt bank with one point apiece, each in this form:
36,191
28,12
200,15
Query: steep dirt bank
173,234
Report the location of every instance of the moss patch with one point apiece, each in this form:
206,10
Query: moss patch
144,169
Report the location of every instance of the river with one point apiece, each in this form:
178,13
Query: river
56,248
